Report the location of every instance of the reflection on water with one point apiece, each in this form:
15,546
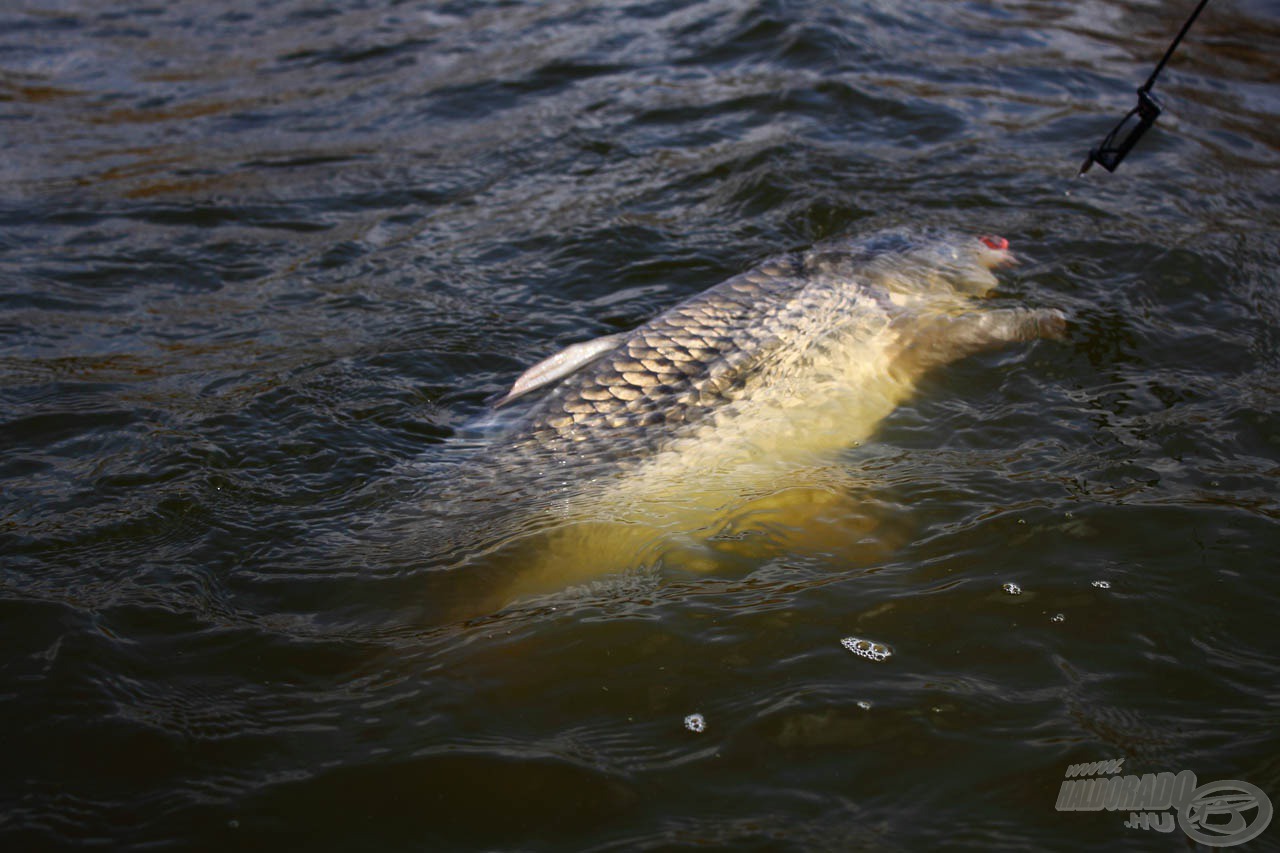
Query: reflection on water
259,264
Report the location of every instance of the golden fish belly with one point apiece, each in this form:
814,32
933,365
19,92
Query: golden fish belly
758,477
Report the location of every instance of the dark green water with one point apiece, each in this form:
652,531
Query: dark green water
258,261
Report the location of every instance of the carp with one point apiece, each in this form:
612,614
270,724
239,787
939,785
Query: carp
727,412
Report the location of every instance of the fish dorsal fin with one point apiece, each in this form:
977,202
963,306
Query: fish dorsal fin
560,365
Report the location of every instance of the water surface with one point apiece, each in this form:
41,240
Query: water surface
258,264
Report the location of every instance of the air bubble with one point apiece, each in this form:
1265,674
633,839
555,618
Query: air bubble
868,649
1012,589
695,723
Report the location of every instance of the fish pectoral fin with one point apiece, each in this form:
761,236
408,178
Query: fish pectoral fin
949,338
1010,325
560,365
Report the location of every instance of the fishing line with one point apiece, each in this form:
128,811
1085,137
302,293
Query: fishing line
1109,153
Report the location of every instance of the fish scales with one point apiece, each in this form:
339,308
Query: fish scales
694,359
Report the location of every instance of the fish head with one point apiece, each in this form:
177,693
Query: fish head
935,263
964,264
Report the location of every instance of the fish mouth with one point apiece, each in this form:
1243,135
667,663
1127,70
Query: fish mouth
995,251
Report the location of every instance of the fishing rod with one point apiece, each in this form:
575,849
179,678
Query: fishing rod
1109,153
